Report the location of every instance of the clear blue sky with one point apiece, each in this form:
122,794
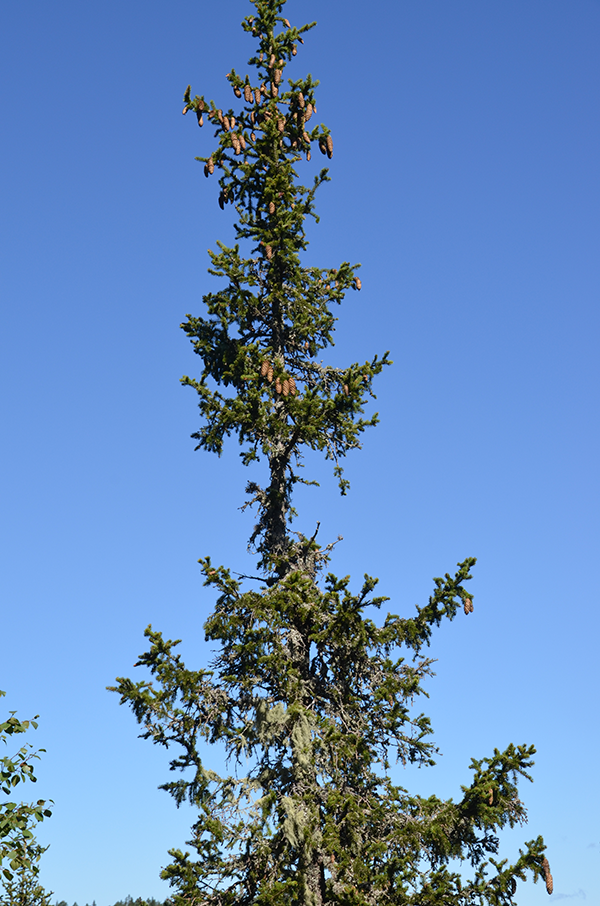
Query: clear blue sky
466,178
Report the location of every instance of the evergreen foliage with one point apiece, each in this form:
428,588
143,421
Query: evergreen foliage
310,697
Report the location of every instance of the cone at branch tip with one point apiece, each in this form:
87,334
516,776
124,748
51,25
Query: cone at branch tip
329,146
270,374
237,92
358,282
292,383
271,207
294,50
286,22
257,95
264,368
247,94
547,875
278,387
269,252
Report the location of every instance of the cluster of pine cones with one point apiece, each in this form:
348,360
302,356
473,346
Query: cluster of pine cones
284,387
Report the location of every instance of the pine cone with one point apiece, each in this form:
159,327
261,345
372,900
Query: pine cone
286,22
306,137
200,105
281,125
226,123
301,100
271,207
274,90
322,146
345,389
329,144
185,109
286,387
277,76
237,92
257,95
232,122
292,383
278,387
247,94
547,875
491,797
308,112
220,115
200,120
270,374
243,141
264,368
269,251
357,282
308,155
294,50
211,165
236,146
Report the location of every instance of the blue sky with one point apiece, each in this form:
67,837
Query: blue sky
465,179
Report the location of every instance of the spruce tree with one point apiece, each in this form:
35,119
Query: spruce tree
309,695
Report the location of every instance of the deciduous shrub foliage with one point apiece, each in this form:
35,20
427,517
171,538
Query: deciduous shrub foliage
310,697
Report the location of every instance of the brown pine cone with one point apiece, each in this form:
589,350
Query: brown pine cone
247,94
220,115
211,165
300,100
329,144
243,141
270,374
345,389
277,76
308,155
491,797
294,50
269,251
286,22
308,112
281,124
292,383
185,109
357,282
322,146
271,207
237,92
200,120
257,95
200,105
278,386
274,89
271,61
226,123
286,387
264,368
